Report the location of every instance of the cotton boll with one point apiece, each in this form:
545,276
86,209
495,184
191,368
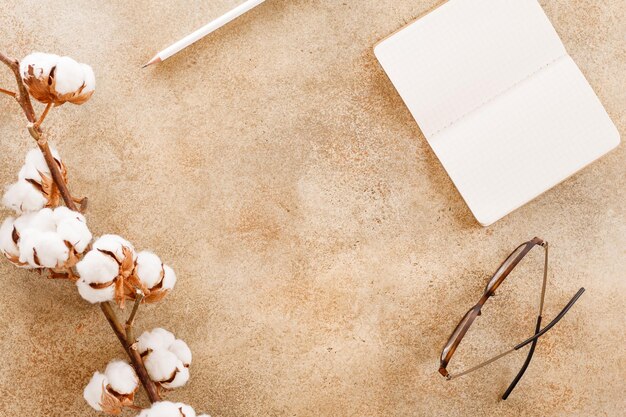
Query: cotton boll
7,244
53,79
68,76
75,232
181,378
50,250
122,377
161,365
169,278
97,268
182,351
23,196
93,390
30,227
148,268
114,244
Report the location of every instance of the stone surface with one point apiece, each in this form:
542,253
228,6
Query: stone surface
323,254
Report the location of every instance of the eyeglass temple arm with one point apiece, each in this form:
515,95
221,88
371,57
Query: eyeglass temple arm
525,365
521,372
534,339
553,322
529,340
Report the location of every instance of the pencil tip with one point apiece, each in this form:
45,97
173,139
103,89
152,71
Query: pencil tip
154,60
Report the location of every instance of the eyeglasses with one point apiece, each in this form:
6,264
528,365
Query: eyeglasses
501,273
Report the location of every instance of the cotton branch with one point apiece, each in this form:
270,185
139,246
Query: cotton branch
133,354
23,99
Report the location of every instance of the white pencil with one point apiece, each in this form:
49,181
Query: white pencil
203,31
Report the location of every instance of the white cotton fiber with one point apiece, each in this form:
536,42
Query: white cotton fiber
181,378
93,295
44,244
62,213
51,250
26,245
97,268
122,377
113,244
7,245
169,279
93,390
75,232
186,410
182,351
89,78
168,409
161,364
42,220
166,357
22,196
35,165
155,339
148,268
40,62
68,75
35,159
28,172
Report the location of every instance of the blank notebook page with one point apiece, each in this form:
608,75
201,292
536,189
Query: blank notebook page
501,103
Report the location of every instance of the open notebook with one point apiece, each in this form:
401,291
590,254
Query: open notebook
505,109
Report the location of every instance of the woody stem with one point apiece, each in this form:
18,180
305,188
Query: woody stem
23,98
132,352
22,95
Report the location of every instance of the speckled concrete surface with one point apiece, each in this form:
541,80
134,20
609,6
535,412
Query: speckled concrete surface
323,254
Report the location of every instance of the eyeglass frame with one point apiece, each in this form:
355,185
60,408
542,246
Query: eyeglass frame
468,319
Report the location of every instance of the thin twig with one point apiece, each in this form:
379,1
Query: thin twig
131,319
23,98
43,116
9,93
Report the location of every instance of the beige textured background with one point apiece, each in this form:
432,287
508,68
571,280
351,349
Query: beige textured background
323,255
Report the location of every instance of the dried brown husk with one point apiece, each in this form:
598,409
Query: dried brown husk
47,187
123,282
113,402
154,294
43,89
